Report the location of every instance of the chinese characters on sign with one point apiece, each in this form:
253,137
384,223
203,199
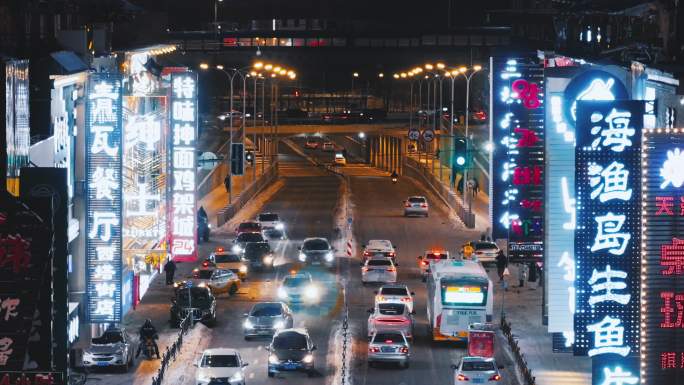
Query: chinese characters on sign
518,186
662,257
183,160
103,184
607,238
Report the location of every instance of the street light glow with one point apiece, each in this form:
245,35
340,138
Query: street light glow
204,66
403,75
440,66
356,74
268,67
489,146
362,135
429,66
253,73
396,76
276,69
477,67
455,72
283,72
381,75
219,66
258,65
462,69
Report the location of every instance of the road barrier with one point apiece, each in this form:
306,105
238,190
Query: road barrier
345,342
226,213
173,350
519,356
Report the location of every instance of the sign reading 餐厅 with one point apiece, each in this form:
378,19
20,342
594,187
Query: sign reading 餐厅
183,166
517,124
608,235
103,207
662,257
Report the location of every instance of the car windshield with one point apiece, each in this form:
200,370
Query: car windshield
389,338
477,366
249,226
394,291
436,256
250,237
226,258
198,294
256,249
391,308
290,341
266,310
416,200
203,274
295,281
316,244
220,361
484,245
109,337
379,262
268,217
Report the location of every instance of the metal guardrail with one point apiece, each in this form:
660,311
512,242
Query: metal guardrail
225,214
345,342
173,350
517,353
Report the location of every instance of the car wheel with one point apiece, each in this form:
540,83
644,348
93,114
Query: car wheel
233,289
248,338
271,374
311,372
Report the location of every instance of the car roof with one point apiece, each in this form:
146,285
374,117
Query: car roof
280,304
314,239
477,359
417,196
298,275
297,330
220,351
394,286
379,244
268,213
436,251
375,258
249,222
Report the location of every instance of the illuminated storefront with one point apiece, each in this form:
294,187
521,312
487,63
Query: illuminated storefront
608,236
16,120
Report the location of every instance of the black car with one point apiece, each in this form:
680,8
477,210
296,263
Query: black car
258,255
290,350
193,299
317,251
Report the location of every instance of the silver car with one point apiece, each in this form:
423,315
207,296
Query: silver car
416,205
390,317
266,318
111,349
390,346
379,270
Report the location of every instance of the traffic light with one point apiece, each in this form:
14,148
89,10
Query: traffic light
460,159
237,159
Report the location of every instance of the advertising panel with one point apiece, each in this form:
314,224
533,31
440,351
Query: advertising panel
608,232
517,124
565,86
103,198
183,166
662,257
16,120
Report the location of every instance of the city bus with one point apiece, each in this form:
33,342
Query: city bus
459,294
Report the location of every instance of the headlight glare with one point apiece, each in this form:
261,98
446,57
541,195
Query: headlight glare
237,377
302,257
311,292
308,359
329,256
278,324
243,269
268,260
282,293
280,226
272,359
248,324
236,249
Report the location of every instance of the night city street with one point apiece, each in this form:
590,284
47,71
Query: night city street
341,192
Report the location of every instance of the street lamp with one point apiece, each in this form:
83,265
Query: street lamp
258,65
381,75
396,76
204,66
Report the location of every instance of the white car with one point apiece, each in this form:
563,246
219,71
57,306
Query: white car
379,270
416,205
476,370
395,293
340,160
379,248
271,225
388,347
390,317
220,365
484,251
328,146
430,257
299,288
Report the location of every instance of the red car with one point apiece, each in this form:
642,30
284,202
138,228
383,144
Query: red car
311,144
248,227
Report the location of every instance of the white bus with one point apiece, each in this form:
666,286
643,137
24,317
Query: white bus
459,294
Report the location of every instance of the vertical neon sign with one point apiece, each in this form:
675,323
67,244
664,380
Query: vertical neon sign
183,165
608,235
103,203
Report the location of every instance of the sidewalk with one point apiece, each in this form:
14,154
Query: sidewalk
523,307
217,199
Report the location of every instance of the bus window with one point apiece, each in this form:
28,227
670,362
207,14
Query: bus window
474,295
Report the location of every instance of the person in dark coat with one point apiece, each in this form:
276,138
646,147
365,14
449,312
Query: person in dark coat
226,183
170,269
501,264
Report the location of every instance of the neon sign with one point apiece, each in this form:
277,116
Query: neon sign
104,203
184,137
608,232
662,257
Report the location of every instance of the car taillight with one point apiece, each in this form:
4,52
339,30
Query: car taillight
392,254
219,249
425,263
364,269
406,299
407,204
423,205
461,377
205,264
380,298
391,269
439,321
495,377
404,349
366,254
373,349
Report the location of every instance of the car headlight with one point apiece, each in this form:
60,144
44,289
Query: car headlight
268,260
248,324
280,226
279,324
272,359
308,358
236,249
243,268
311,292
237,377
282,293
302,257
329,256
209,225
203,377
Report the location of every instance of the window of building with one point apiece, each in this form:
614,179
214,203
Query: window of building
404,42
670,117
460,40
443,40
362,42
376,42
339,42
429,40
391,42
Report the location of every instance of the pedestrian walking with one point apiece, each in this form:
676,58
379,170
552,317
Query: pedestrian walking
170,269
474,186
501,264
534,269
226,182
523,272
